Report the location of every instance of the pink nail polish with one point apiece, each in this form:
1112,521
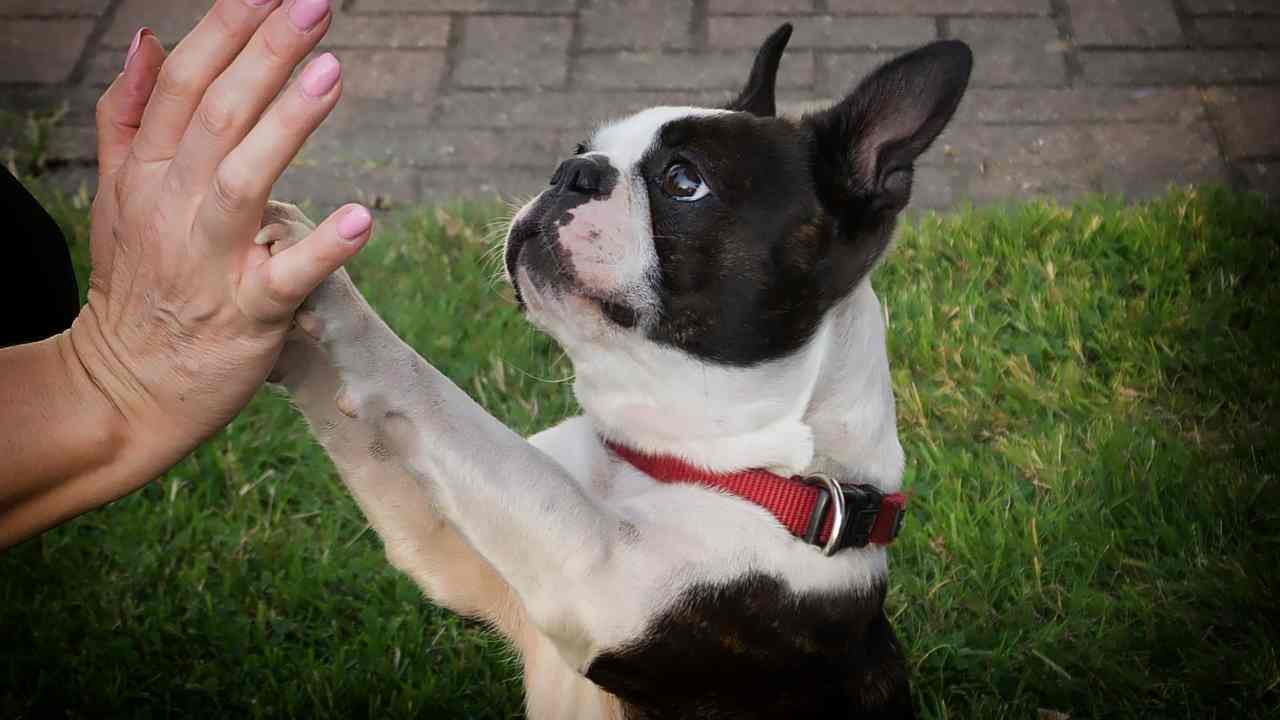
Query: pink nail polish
306,14
354,223
320,75
133,46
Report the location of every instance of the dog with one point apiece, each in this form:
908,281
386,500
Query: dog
708,539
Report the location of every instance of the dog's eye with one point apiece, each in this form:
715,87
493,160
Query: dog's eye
683,183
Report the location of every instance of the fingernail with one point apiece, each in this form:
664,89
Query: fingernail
259,3
133,46
354,223
320,75
304,14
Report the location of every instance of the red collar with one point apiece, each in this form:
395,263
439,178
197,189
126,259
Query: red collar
800,503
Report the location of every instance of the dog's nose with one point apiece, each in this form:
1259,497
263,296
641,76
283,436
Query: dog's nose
585,175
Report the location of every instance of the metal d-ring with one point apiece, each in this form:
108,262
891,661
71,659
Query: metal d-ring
837,499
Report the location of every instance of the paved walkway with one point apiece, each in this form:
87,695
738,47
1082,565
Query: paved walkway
470,97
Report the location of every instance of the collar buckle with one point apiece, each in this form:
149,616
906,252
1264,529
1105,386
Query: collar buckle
857,510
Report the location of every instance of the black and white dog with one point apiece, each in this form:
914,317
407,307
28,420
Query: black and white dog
706,541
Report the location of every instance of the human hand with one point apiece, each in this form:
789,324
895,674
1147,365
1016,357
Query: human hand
185,314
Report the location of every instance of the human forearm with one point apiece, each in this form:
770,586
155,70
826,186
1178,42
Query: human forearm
65,447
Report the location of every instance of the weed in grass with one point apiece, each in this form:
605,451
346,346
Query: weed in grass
1088,400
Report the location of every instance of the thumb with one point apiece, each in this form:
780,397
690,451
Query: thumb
273,290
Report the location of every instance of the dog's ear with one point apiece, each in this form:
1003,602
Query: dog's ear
757,97
867,144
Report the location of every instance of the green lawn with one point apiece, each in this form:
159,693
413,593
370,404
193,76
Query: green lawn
1088,398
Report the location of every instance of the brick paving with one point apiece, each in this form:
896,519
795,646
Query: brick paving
448,98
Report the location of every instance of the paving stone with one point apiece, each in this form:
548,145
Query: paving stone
435,147
1237,31
1140,161
510,185
941,7
932,188
839,72
75,105
170,21
328,186
684,71
1263,177
1083,104
438,6
753,7
1124,22
27,55
391,32
44,8
408,76
1249,120
1007,182
513,51
1208,7
554,110
976,146
1018,51
636,24
1178,67
823,31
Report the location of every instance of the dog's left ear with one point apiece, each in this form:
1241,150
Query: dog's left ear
757,97
867,143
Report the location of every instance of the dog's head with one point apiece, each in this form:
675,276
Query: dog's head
724,236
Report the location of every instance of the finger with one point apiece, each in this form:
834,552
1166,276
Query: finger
201,56
272,291
243,180
119,111
237,98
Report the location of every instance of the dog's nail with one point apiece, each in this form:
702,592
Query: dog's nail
346,404
310,324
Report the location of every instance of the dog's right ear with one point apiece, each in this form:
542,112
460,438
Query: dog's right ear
757,97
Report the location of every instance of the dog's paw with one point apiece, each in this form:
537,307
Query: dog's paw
283,225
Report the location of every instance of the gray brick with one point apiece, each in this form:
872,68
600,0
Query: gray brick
940,7
840,72
1005,182
1075,105
1013,51
1209,7
636,24
757,7
379,31
1141,161
513,51
170,21
102,68
439,6
932,188
1125,22
513,185
327,186
27,55
823,31
1263,177
435,147
685,71
74,104
1247,119
579,111
1178,67
41,8
1237,31
407,76
976,146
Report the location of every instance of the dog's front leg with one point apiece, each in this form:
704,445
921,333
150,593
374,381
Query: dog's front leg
508,500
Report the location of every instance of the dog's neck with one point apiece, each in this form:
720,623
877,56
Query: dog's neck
827,408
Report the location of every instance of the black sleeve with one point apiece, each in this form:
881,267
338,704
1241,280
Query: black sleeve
38,294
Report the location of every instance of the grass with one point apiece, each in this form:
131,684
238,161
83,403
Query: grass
1088,400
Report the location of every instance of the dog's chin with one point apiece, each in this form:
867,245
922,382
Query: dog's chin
562,304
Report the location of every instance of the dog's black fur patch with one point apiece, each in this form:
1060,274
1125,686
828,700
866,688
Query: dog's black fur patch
755,650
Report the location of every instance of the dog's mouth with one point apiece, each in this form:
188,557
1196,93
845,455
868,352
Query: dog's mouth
548,272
